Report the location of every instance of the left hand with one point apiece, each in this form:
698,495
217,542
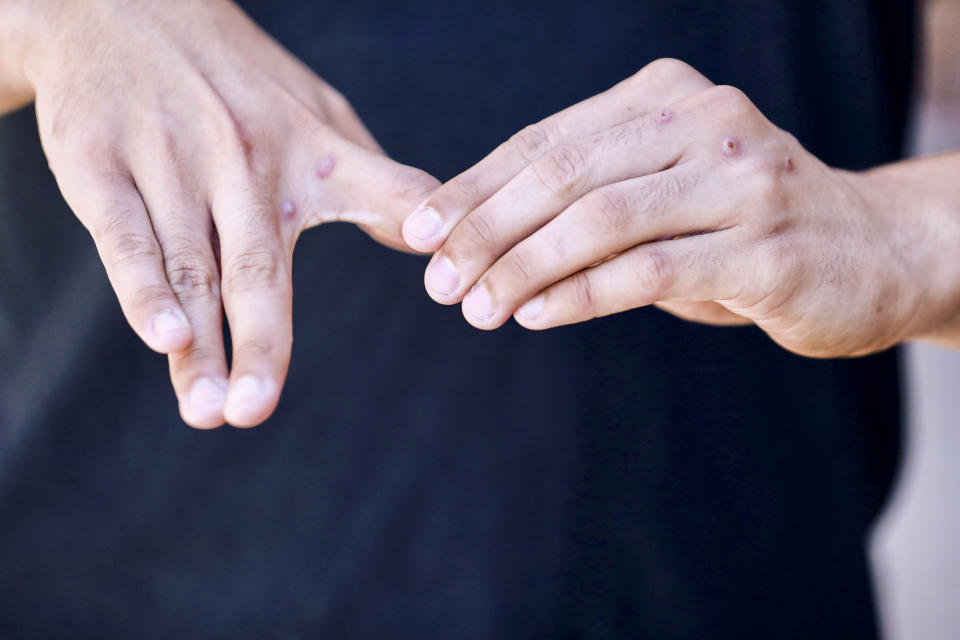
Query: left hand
669,190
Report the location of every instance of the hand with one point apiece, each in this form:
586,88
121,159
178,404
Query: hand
669,190
196,150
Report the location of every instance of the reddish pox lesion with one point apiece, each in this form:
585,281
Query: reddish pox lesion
288,210
325,166
665,116
323,169
730,147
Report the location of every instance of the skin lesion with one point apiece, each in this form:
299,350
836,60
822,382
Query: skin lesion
730,147
325,167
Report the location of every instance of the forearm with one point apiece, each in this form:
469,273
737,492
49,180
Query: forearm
923,194
15,32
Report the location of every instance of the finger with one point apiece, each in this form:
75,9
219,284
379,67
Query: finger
184,229
110,206
257,298
336,180
603,223
695,268
548,186
649,90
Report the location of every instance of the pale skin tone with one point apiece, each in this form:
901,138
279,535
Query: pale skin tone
669,190
196,150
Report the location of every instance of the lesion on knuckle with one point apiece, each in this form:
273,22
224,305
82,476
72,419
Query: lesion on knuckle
611,209
562,170
191,278
254,269
532,141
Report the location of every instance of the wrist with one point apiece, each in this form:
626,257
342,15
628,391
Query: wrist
921,238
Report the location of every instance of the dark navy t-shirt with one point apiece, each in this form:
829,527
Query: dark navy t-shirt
632,477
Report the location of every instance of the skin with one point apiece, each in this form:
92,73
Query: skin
669,190
196,150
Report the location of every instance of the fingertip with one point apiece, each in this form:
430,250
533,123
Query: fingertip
422,230
169,331
530,314
202,407
442,280
250,400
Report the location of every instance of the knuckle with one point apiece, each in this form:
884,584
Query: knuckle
611,209
465,186
725,95
198,355
562,170
234,132
518,266
126,247
254,269
774,270
259,348
459,195
477,231
776,256
413,183
653,272
96,151
147,297
191,278
666,68
532,141
767,189
583,291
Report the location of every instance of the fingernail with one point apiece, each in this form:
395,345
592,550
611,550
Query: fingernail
207,392
423,223
442,276
477,304
167,322
532,309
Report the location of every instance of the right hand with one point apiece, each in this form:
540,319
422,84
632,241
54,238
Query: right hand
195,150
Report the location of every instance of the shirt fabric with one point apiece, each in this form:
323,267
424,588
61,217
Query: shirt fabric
636,476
